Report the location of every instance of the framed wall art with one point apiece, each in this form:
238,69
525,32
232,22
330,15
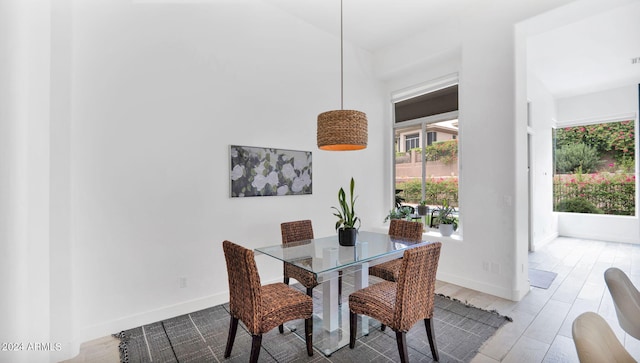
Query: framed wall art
262,171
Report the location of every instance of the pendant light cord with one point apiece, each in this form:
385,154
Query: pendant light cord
341,62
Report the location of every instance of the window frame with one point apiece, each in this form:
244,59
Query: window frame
412,92
411,138
596,121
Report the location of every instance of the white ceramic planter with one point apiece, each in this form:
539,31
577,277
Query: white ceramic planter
445,229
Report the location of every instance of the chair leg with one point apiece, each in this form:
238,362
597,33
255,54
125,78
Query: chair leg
401,339
308,335
428,323
353,327
233,327
281,326
256,343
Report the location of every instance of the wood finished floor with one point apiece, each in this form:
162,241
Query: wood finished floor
541,327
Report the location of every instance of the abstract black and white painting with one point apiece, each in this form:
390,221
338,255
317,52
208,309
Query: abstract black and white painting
261,171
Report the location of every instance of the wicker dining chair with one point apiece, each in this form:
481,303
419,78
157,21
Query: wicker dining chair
299,231
401,304
261,308
400,229
293,232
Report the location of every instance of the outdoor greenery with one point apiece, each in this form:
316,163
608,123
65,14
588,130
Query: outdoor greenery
436,190
609,192
615,137
595,169
444,151
577,205
573,156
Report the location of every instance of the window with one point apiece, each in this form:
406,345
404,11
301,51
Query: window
431,137
429,172
594,168
412,141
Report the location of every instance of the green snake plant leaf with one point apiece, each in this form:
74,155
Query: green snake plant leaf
346,212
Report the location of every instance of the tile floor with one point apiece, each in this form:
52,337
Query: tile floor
541,330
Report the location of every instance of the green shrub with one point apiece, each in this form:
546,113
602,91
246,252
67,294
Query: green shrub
444,151
436,189
573,156
577,205
617,137
613,193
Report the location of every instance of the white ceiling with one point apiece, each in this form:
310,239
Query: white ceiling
580,57
591,54
374,24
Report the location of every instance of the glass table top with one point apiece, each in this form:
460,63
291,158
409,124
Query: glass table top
323,255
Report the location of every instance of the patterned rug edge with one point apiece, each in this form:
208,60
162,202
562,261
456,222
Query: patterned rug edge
123,346
492,311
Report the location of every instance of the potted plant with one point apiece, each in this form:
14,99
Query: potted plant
402,212
347,219
423,210
447,222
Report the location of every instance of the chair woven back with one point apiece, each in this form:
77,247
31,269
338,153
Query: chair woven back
296,231
244,285
406,230
416,286
293,232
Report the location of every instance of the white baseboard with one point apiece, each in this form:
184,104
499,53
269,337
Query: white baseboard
543,241
148,317
476,285
601,237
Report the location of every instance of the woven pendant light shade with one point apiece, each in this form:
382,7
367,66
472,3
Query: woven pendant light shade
342,130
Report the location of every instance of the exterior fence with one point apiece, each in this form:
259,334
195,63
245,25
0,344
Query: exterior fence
613,197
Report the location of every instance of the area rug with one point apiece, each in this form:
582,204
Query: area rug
201,336
540,278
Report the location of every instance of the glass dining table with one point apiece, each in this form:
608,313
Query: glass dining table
325,258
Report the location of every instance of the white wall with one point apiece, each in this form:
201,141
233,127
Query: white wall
600,106
543,118
159,91
145,99
24,177
62,304
12,188
492,257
